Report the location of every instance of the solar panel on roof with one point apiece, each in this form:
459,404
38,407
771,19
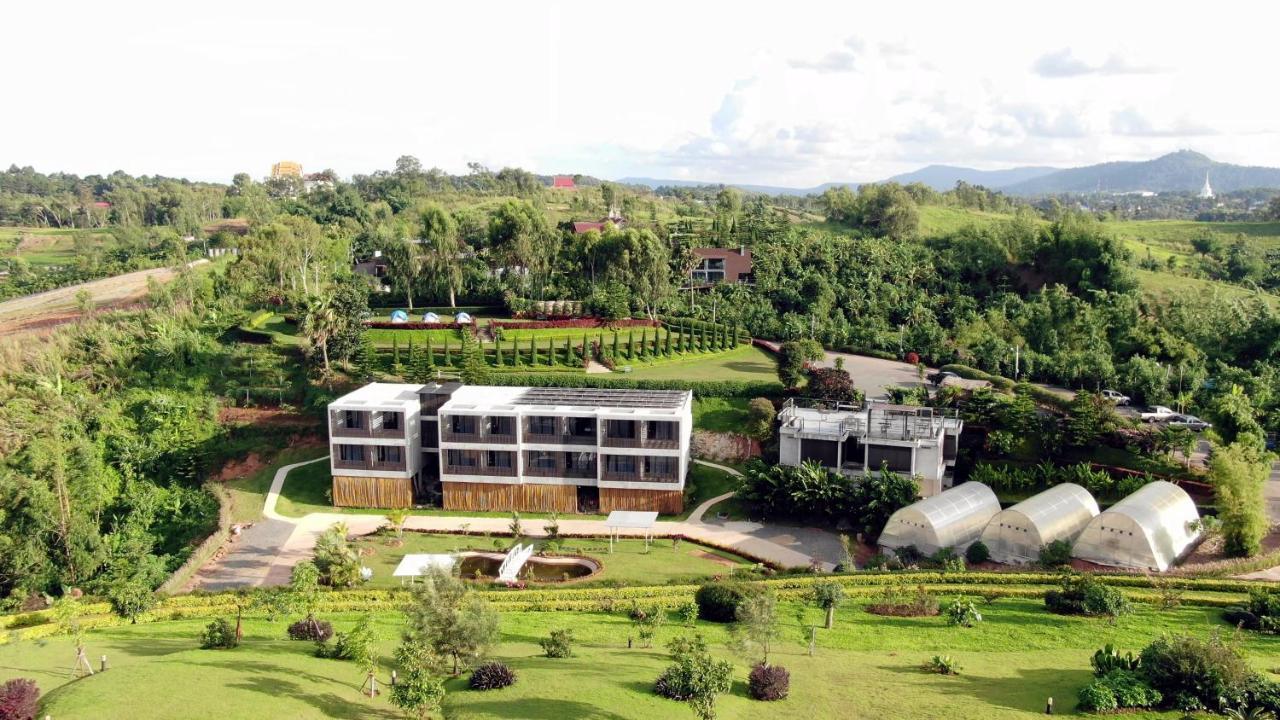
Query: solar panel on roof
602,397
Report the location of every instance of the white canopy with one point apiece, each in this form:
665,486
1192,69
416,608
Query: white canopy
1149,530
416,564
951,519
632,519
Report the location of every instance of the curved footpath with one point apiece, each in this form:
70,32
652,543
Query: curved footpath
266,553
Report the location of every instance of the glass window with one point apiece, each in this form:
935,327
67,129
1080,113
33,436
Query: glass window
498,459
543,460
625,429
388,454
621,464
662,430
463,424
542,425
499,425
351,453
664,466
390,421
461,458
354,419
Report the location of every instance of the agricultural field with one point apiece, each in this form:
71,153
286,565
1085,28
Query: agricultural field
50,246
1011,663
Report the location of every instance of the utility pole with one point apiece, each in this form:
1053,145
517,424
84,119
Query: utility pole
1017,360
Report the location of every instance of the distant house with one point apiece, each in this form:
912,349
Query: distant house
286,168
374,268
312,181
717,265
563,181
613,220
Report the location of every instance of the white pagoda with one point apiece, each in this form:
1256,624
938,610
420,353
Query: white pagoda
1206,192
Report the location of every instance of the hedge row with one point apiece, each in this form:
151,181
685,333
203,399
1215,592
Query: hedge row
700,388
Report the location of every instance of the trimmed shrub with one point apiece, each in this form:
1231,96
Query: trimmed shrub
1241,618
19,699
978,552
718,602
218,635
1097,697
898,603
670,684
768,682
1055,554
559,645
492,675
310,629
1082,594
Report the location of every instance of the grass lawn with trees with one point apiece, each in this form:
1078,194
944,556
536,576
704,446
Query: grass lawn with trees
863,668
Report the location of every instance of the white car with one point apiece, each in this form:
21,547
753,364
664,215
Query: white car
1116,397
1157,413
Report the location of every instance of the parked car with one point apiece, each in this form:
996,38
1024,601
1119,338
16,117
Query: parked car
939,377
1156,413
1190,422
1116,397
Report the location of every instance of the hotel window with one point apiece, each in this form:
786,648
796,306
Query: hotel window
662,431
543,460
499,425
624,429
461,458
498,459
664,466
351,453
390,421
624,464
388,454
353,419
463,424
579,461
542,425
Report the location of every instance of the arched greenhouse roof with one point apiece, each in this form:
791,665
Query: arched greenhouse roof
1148,530
1062,512
951,519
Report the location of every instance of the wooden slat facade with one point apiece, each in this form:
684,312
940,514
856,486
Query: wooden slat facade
667,502
370,492
503,497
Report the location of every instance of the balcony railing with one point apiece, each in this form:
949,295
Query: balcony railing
640,442
558,439
480,470
340,464
617,476
370,464
338,428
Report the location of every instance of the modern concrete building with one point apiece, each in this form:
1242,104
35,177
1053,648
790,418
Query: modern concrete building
717,265
514,448
918,441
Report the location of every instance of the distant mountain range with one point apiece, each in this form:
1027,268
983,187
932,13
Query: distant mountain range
1182,171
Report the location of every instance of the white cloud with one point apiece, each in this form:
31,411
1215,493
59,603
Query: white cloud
1064,64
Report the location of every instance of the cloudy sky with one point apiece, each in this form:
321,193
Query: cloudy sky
756,92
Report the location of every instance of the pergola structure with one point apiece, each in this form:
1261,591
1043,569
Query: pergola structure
630,520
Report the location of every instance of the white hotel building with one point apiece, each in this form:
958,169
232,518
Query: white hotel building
470,447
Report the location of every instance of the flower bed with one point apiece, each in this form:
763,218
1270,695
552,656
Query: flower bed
572,323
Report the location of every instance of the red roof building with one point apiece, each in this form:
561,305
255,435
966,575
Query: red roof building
716,265
563,181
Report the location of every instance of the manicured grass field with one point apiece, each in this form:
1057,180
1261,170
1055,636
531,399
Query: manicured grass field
720,414
384,337
629,563
867,667
746,362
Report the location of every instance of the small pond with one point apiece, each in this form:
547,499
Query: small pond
484,566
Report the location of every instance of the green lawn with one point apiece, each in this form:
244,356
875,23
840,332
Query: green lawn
746,362
720,414
383,337
705,483
629,564
867,667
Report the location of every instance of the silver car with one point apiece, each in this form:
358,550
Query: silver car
1190,422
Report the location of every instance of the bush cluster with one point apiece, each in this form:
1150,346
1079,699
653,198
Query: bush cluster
962,613
719,601
768,682
558,645
977,552
1082,594
218,635
942,665
897,603
1261,613
19,699
311,629
492,675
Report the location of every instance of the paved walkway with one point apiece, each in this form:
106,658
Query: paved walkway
266,553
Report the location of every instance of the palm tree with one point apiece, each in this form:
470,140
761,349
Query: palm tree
319,323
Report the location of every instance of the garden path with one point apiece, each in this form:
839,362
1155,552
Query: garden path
267,558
